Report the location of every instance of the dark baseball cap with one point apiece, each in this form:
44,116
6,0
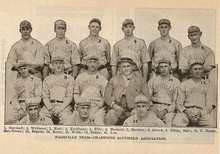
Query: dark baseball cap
95,20
193,29
127,21
25,23
164,21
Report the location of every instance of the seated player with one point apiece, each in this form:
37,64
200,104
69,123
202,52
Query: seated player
163,90
144,117
34,117
195,100
91,85
81,115
121,91
58,92
27,86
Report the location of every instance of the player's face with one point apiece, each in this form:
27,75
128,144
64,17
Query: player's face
164,29
94,28
84,111
23,71
126,68
58,65
128,29
92,65
195,37
197,71
60,31
25,32
141,109
33,112
164,69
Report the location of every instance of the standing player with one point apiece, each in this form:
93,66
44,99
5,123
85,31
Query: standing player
196,51
34,117
165,46
144,117
65,48
163,90
121,91
91,85
28,88
130,46
27,49
58,92
94,45
195,100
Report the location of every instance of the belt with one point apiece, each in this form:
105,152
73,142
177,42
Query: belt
160,103
21,101
56,101
189,107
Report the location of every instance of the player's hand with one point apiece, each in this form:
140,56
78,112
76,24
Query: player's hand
52,111
21,114
154,109
119,110
162,113
57,112
197,116
190,115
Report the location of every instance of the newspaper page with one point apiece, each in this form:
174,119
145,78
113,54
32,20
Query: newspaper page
109,76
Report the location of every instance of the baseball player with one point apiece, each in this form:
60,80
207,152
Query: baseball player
121,91
130,46
91,84
195,99
94,45
58,92
165,46
34,117
28,88
163,90
28,50
144,117
81,116
65,48
195,51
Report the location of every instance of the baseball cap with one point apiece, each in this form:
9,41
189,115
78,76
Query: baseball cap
31,102
164,21
83,102
196,61
193,29
141,99
57,58
95,20
126,59
127,21
93,57
18,65
164,60
25,23
60,23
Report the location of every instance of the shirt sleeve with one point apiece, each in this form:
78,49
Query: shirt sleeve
70,88
39,55
12,57
75,57
151,50
183,62
181,97
46,92
145,57
114,59
46,54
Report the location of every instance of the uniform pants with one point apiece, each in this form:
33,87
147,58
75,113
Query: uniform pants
181,119
61,117
168,118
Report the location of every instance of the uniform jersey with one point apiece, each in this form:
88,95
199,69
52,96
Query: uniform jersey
40,121
64,48
28,88
99,48
134,48
90,86
194,94
29,51
160,48
163,90
74,120
150,121
202,52
58,87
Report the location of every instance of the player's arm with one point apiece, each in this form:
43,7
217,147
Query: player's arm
46,96
108,52
12,57
183,64
75,61
180,99
114,61
145,58
108,97
145,71
46,61
77,92
178,49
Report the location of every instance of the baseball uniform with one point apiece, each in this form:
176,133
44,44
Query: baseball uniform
135,48
64,48
149,121
29,51
57,88
163,95
99,48
29,88
195,97
41,121
160,48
